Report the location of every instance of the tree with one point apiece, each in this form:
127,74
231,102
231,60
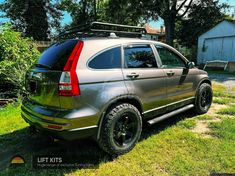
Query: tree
188,30
124,11
172,11
17,54
113,11
34,18
169,11
81,11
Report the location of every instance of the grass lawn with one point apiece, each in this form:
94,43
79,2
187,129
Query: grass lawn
183,145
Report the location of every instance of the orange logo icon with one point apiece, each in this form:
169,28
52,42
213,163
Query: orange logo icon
17,160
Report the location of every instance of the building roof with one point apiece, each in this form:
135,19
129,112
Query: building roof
231,21
154,31
223,26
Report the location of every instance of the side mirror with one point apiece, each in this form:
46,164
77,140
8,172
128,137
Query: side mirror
190,65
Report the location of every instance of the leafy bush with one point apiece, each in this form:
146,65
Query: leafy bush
17,54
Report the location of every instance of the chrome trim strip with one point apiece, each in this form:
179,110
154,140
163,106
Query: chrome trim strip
83,128
167,105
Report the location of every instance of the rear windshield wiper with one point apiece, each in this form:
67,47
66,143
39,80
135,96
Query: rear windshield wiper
42,66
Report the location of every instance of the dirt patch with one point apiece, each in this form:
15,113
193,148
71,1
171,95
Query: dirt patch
202,127
215,108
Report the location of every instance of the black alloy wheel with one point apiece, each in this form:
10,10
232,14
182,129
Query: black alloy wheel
203,99
121,129
125,129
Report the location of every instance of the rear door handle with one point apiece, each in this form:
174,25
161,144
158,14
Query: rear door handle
170,73
132,75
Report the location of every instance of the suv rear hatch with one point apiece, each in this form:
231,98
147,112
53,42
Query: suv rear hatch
44,79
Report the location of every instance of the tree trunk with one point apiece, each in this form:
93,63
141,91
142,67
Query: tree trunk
84,11
95,10
35,17
170,29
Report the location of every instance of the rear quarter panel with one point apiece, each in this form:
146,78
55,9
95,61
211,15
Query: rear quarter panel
98,87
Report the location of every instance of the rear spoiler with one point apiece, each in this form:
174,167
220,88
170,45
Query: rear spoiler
101,29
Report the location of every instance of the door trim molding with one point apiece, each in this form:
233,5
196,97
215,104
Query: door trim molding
165,106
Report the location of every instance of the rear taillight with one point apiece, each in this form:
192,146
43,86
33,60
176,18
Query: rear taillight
68,85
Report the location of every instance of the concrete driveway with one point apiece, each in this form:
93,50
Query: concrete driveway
226,79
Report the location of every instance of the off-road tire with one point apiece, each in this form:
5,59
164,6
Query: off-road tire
107,139
202,104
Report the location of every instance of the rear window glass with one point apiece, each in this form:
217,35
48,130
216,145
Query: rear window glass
57,55
107,60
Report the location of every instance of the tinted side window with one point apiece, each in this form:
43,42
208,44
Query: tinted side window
139,56
57,55
107,60
169,58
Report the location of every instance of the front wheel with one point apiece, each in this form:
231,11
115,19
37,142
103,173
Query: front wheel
203,98
121,129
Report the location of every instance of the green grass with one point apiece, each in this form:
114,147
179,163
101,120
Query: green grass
167,148
233,88
220,91
10,118
228,110
223,95
10,123
218,87
188,123
222,101
204,117
225,129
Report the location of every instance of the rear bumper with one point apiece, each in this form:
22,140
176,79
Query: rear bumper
67,125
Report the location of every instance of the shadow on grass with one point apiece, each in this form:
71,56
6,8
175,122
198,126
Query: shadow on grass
82,151
162,125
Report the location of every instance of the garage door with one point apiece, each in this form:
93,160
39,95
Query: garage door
220,48
228,50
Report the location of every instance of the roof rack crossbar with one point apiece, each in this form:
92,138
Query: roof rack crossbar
109,31
104,30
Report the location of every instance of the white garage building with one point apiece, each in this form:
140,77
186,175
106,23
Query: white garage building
217,44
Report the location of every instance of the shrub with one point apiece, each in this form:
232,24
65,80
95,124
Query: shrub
17,54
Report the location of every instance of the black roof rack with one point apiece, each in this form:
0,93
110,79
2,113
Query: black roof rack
100,29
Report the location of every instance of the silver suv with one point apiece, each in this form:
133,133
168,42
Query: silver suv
107,87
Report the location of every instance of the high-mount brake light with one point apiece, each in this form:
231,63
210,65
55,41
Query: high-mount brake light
68,85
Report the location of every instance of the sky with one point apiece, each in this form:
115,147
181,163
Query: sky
155,24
